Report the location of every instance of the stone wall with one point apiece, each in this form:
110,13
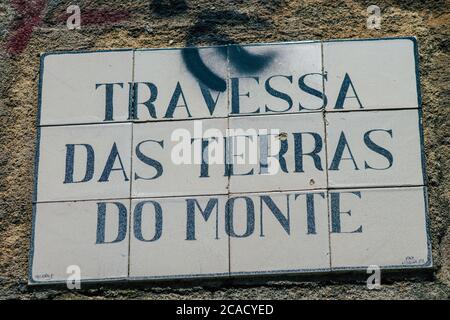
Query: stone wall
28,28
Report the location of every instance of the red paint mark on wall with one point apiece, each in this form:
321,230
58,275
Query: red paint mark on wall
99,17
31,14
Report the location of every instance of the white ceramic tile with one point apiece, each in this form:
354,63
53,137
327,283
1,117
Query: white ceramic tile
171,176
186,245
105,142
279,232
277,78
381,72
310,174
71,86
166,78
68,234
361,136
384,227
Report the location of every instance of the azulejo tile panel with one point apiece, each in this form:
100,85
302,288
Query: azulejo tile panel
229,161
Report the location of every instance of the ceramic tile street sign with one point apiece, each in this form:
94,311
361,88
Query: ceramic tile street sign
228,161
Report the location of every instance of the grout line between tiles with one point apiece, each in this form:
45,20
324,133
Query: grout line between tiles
131,97
229,177
377,187
240,116
372,109
324,114
237,193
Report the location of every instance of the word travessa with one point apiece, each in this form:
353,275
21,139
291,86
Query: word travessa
179,98
237,217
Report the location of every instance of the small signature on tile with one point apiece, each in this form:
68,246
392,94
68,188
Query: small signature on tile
412,260
44,276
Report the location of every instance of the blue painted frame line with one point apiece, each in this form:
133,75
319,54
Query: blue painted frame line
427,264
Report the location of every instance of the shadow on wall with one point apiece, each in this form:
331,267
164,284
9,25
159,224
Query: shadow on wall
168,8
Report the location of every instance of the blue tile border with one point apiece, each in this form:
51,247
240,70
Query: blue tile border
36,169
427,264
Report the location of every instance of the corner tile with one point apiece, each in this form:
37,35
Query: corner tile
386,227
74,90
381,72
68,235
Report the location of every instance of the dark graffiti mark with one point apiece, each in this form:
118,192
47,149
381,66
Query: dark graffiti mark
237,55
247,62
194,63
206,29
168,8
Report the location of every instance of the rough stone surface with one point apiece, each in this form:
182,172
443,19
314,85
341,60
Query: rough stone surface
169,23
